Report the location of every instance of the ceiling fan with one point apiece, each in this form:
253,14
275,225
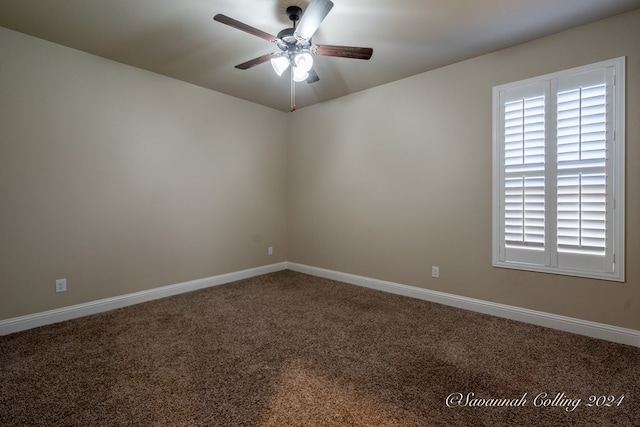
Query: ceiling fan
296,49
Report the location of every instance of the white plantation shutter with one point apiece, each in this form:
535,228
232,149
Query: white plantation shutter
582,180
559,172
524,172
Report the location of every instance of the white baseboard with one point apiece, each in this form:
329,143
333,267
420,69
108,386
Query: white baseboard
22,323
563,323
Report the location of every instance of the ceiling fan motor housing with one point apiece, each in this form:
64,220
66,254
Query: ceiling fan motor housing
291,43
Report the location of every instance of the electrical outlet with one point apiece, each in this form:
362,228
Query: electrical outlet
270,250
435,271
61,285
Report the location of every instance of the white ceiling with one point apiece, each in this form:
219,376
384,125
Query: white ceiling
180,39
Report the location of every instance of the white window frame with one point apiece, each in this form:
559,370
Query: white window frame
546,258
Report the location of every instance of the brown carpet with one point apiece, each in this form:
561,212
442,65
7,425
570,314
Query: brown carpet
288,349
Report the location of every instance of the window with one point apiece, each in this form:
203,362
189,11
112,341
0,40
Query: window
558,172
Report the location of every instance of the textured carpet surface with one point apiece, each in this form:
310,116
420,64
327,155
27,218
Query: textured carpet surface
287,349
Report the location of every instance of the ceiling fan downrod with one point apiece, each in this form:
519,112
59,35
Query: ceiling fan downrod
294,13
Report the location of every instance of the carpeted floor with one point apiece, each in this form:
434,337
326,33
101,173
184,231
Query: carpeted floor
287,349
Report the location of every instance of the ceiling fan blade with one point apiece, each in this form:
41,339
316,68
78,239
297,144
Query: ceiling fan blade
313,76
312,18
257,61
343,51
244,27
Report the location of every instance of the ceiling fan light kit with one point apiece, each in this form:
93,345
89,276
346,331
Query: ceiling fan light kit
296,50
280,64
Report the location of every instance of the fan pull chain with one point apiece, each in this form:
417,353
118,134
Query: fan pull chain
293,93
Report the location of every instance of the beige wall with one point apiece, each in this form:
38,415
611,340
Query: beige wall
390,181
121,180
